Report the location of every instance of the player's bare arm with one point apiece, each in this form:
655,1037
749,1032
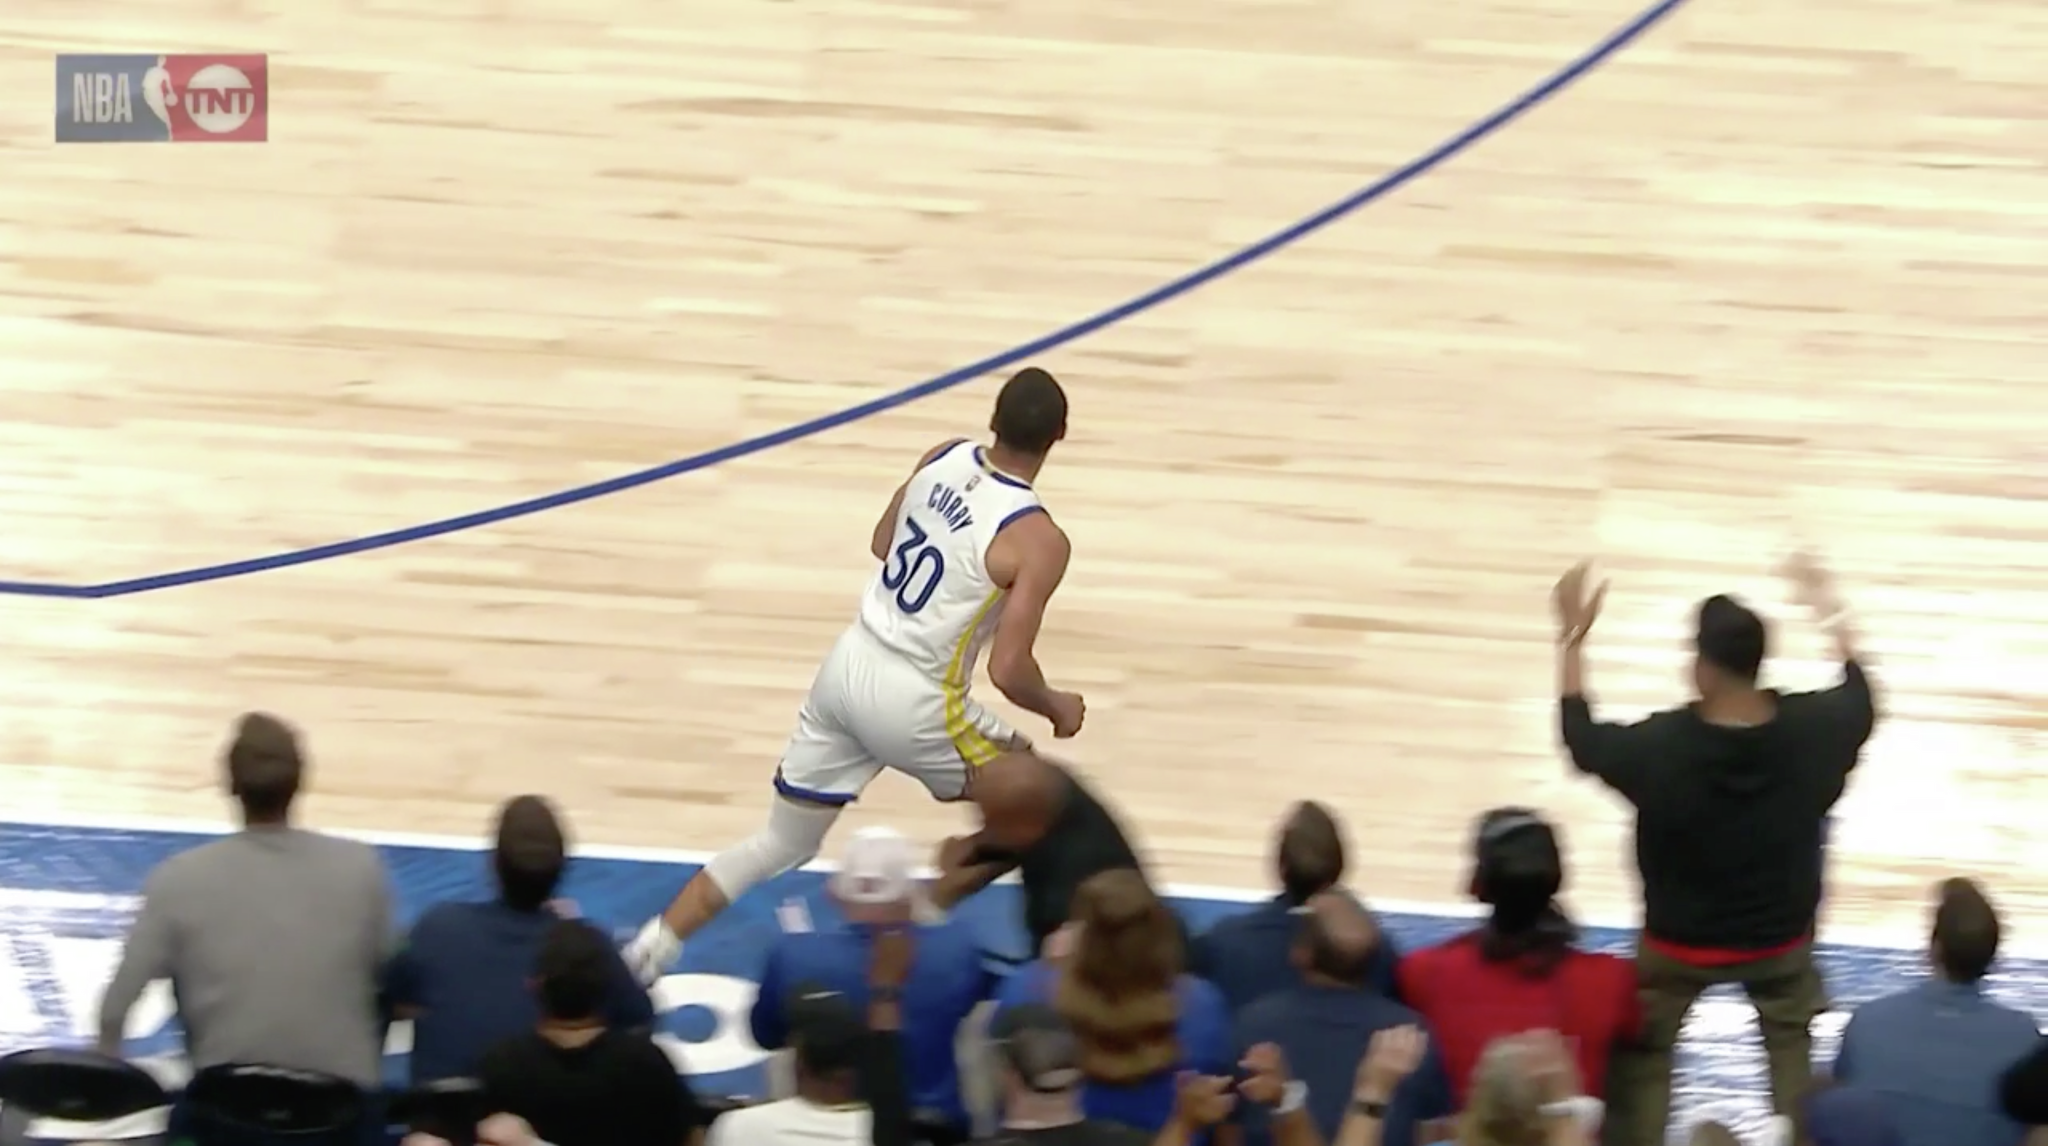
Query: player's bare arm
885,526
1029,560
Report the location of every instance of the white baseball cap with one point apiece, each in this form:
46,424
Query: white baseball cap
879,867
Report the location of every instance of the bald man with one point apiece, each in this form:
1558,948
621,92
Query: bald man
1325,1022
1040,821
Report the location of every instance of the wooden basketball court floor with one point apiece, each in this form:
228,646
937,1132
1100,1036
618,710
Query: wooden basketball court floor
1771,274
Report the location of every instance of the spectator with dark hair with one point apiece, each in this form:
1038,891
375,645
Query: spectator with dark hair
1251,954
1732,794
573,1078
829,945
1327,1022
1136,1019
1521,970
273,936
464,974
1937,1051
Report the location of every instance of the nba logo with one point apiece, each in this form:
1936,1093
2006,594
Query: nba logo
163,99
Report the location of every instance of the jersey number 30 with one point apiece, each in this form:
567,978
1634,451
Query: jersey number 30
914,570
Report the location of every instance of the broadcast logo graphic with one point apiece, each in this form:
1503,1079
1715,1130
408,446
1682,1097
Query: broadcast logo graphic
163,99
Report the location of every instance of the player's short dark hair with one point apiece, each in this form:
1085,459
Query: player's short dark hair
1311,851
531,852
572,967
1966,931
1731,637
264,765
1031,412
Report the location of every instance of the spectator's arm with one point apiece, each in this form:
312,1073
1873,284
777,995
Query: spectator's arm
882,1079
2024,1089
1612,752
628,1006
1212,1048
1844,1069
400,992
769,1025
1854,703
147,955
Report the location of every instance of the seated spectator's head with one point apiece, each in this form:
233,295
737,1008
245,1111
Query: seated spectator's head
264,768
829,1035
1518,869
570,975
1337,940
1966,931
1041,1063
1505,1107
530,854
876,881
1116,990
1729,647
1310,852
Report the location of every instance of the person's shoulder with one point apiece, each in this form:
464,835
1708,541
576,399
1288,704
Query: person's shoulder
1197,991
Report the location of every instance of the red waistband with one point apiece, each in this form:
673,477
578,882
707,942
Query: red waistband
1717,957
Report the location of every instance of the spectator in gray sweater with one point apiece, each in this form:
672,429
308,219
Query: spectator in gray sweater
273,938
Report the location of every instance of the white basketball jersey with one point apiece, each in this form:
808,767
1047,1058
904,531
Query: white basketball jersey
932,602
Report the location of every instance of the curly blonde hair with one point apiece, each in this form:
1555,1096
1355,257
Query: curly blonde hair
1117,989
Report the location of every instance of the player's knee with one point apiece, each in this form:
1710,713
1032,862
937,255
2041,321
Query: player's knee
792,837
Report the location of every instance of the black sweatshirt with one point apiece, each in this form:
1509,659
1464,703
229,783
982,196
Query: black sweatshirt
1730,822
2024,1090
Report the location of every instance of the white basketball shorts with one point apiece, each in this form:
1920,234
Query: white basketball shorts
869,710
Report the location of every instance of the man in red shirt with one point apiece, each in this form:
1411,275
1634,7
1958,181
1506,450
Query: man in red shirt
1732,793
1520,970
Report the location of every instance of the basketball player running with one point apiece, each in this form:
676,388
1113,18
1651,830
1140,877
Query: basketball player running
966,552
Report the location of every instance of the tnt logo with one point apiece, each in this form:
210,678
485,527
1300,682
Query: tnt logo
163,99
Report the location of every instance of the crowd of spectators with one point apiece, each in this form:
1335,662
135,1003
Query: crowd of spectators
1298,1022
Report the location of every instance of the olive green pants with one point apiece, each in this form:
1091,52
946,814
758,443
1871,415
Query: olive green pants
1788,994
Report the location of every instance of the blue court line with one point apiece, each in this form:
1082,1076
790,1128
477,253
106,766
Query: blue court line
1385,185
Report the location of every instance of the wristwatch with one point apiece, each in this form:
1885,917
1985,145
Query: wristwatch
1293,1096
1371,1108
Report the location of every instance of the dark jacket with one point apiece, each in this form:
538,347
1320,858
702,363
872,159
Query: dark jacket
1730,822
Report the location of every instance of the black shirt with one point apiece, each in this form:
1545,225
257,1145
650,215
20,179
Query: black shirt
1084,840
619,1089
2024,1089
1085,1133
1730,822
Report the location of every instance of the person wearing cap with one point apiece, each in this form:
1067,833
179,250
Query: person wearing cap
1936,1050
829,944
464,974
1252,954
1732,794
1521,970
274,935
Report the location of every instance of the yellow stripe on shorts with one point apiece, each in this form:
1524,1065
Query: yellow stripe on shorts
969,741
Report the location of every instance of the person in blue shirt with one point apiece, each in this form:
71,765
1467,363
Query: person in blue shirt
1937,1052
1326,1023
1251,954
829,945
1136,1019
464,975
